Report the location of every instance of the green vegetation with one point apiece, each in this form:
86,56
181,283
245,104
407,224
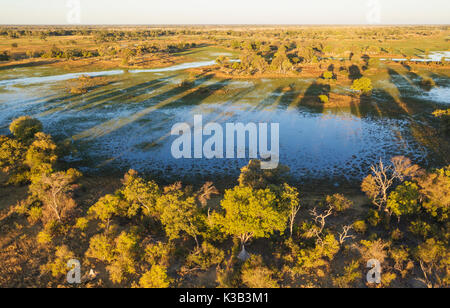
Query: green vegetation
260,230
119,230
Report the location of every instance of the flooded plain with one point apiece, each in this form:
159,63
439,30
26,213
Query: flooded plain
126,123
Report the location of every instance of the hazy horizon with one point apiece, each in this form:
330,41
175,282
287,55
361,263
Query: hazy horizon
233,12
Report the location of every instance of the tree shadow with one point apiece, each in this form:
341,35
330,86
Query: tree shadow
311,97
354,72
28,64
195,95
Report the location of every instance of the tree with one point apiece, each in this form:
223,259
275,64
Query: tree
206,191
101,248
41,155
25,128
251,213
125,255
155,278
141,193
56,193
377,185
12,154
433,259
58,267
338,202
281,62
179,213
291,200
253,176
404,200
106,208
120,253
435,189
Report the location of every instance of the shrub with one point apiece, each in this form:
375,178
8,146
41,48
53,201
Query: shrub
44,237
35,214
324,99
374,218
82,223
360,226
363,86
5,56
427,83
404,200
256,275
328,75
155,278
351,274
58,267
159,253
205,257
25,128
338,202
420,228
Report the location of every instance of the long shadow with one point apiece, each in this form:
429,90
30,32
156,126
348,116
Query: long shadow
288,98
193,98
269,100
354,72
311,96
29,64
408,99
422,126
150,105
95,99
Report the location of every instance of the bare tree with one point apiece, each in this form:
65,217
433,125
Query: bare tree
205,193
378,184
344,235
320,220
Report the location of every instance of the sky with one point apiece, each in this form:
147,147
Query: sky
224,12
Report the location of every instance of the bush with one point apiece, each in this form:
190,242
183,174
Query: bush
155,278
256,275
35,214
338,202
363,86
5,56
12,153
374,218
324,99
427,83
205,257
25,128
360,226
328,75
351,274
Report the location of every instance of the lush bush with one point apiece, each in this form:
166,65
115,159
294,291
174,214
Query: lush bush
25,128
363,86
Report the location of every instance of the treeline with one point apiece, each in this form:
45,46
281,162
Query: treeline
104,51
260,233
319,33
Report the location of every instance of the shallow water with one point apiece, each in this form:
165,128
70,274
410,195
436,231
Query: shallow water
438,95
127,124
432,57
